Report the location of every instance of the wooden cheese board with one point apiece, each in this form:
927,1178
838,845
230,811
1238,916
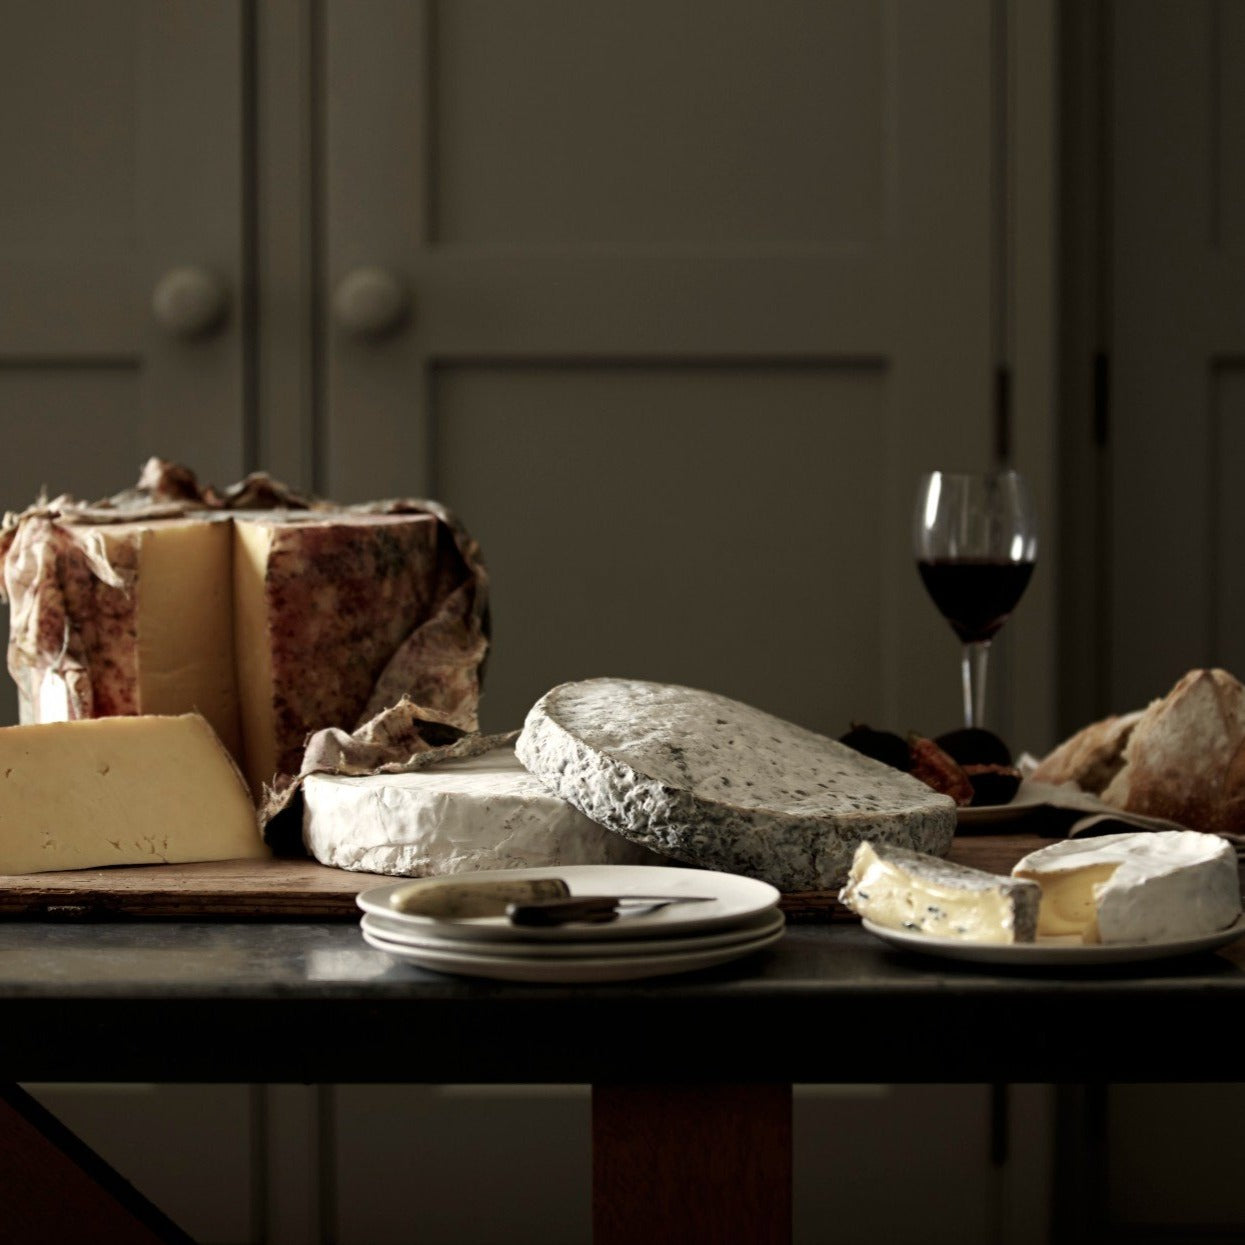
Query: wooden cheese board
304,890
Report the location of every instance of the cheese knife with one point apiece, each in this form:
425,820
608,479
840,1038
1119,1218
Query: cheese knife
538,901
593,909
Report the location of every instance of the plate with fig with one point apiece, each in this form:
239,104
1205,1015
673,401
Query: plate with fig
973,766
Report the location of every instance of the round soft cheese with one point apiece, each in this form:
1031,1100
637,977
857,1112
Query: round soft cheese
721,785
1143,886
485,812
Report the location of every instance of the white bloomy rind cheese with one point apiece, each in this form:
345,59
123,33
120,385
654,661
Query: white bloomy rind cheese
120,791
905,890
1149,886
722,785
485,812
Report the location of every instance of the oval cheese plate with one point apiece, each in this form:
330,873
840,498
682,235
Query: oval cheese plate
732,901
1055,952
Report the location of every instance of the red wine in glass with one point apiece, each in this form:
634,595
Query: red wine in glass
975,539
975,595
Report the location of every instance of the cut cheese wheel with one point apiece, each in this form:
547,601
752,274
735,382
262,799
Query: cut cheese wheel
321,605
719,784
120,791
1144,886
151,608
273,624
485,812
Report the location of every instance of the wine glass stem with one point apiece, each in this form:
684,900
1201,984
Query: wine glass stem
973,673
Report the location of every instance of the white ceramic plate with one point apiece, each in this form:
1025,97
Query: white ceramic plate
1055,952
734,899
605,967
1031,797
988,814
392,930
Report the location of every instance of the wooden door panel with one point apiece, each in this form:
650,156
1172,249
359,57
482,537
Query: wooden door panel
703,542
1178,348
1227,517
190,1149
121,133
73,428
68,72
69,430
570,124
412,1162
661,228
1166,1169
1229,92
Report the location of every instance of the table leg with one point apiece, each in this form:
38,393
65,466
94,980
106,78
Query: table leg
55,1189
683,1164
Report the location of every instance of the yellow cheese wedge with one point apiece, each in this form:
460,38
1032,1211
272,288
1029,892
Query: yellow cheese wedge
163,641
185,624
120,791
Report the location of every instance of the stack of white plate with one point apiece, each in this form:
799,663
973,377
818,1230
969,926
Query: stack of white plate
740,916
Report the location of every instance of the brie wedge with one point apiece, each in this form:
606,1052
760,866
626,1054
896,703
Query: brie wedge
907,890
1147,886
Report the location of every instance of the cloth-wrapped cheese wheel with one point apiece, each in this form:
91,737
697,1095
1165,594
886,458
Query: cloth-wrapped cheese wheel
273,615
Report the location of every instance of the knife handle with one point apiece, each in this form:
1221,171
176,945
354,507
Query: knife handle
596,909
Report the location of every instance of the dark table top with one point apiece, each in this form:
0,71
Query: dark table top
165,1001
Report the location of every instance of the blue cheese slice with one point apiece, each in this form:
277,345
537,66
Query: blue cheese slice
483,812
1146,886
906,890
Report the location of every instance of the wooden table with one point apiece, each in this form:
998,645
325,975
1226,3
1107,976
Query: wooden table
691,1075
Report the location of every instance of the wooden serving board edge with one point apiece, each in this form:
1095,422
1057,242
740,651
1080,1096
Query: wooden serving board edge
304,890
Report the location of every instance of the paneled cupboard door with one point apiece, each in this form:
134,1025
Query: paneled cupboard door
1177,264
122,305
673,303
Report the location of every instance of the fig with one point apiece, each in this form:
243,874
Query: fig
884,746
936,769
993,784
971,745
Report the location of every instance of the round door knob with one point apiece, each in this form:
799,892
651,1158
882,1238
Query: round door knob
370,302
189,301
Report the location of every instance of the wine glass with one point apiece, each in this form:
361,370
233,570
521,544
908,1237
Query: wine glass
975,538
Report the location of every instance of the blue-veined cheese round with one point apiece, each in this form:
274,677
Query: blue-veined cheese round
484,812
722,785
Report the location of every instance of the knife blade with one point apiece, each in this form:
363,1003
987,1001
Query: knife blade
591,909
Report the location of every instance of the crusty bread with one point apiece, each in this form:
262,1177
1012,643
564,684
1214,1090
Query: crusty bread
1185,757
1092,757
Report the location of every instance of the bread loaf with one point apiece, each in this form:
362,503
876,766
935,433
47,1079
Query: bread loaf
1092,757
1185,757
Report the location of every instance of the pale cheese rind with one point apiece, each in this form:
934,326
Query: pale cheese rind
120,791
485,812
1148,886
721,785
907,890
